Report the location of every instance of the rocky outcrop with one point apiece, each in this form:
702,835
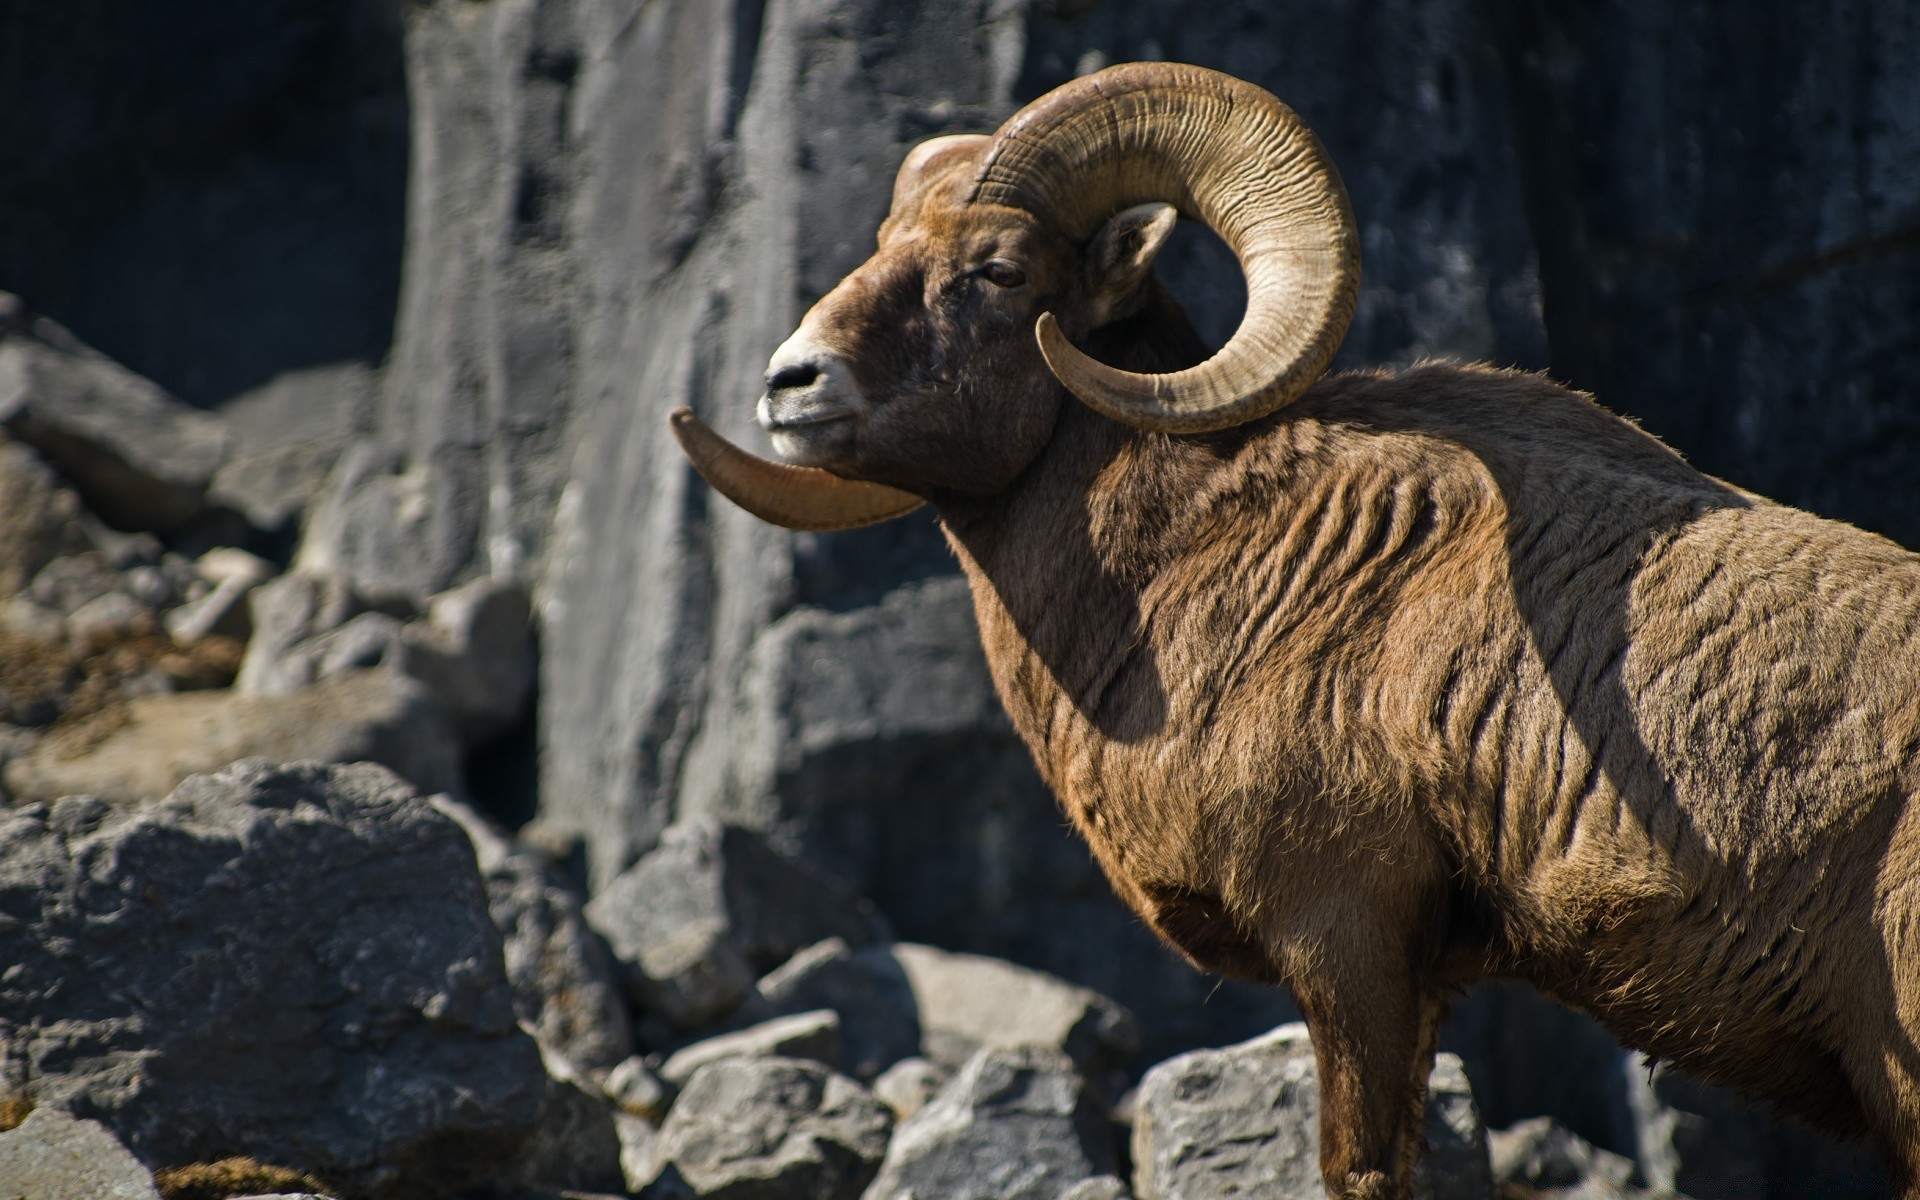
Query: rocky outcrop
697,920
1014,1124
747,1127
294,964
143,747
54,1156
1245,1120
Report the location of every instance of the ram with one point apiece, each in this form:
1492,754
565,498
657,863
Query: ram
1379,684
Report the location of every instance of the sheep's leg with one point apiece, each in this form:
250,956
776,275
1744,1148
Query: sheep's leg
1373,1036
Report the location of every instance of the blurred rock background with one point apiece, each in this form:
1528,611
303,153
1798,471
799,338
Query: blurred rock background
342,333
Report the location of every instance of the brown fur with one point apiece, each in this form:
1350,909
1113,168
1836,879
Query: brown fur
1430,677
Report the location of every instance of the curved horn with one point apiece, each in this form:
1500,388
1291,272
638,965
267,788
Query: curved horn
1221,151
804,498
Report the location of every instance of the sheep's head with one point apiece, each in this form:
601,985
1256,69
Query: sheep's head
917,373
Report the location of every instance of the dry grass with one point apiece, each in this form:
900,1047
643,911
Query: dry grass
231,1177
61,683
13,1110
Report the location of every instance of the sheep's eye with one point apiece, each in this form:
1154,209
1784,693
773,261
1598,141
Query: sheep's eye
1003,274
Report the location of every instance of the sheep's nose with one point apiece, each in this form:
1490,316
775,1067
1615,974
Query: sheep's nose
792,375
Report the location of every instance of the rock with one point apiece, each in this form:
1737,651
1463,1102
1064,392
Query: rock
233,575
140,750
284,613
1245,1120
813,1036
747,1127
565,986
53,1156
1553,1163
42,517
1699,1140
1014,1124
575,1145
907,1086
287,434
474,650
141,459
113,615
293,963
879,1020
476,653
69,583
967,1001
635,1089
713,906
639,1149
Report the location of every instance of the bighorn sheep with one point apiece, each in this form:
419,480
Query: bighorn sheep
1382,683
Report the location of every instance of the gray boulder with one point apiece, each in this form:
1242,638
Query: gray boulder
473,650
1244,1120
1014,1124
772,1128
1700,1140
813,1036
879,1020
695,921
967,1002
54,1156
290,963
142,749
141,459
42,517
1551,1162
565,986
910,1085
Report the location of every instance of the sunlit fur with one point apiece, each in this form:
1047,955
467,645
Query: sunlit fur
1436,675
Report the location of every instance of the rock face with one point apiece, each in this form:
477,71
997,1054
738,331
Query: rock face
141,750
1245,1120
53,1156
142,459
698,919
1551,1162
290,963
1014,1124
565,987
769,1127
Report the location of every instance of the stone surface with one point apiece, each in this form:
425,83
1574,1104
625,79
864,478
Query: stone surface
907,1086
813,1036
966,1002
142,749
174,968
53,1156
286,612
141,459
42,517
634,1088
1245,1120
473,650
1014,1124
772,1127
879,1020
1554,1163
565,986
1702,1141
714,905
575,1145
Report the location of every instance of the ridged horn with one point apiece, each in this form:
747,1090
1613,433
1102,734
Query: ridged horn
1222,151
804,498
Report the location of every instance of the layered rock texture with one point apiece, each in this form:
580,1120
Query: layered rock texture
335,350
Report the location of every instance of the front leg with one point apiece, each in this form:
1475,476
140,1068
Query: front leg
1373,1023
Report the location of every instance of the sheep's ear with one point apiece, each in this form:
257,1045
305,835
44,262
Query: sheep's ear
1122,253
